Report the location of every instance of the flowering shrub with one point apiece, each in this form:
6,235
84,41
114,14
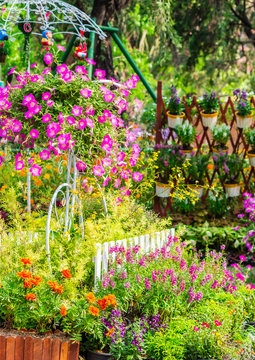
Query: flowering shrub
186,134
248,217
69,113
209,103
175,106
221,135
230,167
243,106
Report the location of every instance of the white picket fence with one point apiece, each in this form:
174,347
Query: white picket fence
147,243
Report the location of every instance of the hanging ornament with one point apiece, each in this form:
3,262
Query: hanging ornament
46,39
81,52
3,35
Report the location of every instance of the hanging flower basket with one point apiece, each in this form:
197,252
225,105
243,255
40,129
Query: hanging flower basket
244,121
163,190
232,190
209,120
251,156
32,347
197,189
92,355
187,153
222,150
174,120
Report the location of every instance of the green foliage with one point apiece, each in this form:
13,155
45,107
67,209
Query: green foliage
217,203
197,169
250,137
174,106
209,103
169,157
230,167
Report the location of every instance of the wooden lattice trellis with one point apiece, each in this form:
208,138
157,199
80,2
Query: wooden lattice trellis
237,141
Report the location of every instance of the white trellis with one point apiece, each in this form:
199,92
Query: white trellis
147,243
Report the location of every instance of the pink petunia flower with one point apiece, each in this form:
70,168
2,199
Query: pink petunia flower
12,70
242,257
33,65
19,165
48,58
90,61
46,96
109,96
82,124
137,176
61,48
70,120
35,170
81,166
240,276
205,325
62,69
86,93
98,170
46,118
34,134
100,73
77,110
17,126
196,328
217,323
44,154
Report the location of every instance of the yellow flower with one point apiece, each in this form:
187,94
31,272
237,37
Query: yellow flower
47,176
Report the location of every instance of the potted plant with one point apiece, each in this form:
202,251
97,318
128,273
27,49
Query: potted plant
221,135
230,167
209,105
175,114
169,157
3,52
186,134
250,138
196,173
35,315
244,114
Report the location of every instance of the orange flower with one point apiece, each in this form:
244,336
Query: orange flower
55,287
110,332
66,273
210,166
63,310
25,274
94,310
31,297
102,304
110,300
28,284
91,297
36,280
26,261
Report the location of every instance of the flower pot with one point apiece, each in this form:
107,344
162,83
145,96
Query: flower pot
17,346
209,120
232,190
217,151
163,190
244,121
197,189
187,153
93,355
174,120
251,156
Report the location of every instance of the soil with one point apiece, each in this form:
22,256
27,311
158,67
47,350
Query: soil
12,332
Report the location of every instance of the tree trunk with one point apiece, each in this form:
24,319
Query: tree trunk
102,12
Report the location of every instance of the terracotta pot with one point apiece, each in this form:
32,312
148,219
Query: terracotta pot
209,120
34,348
251,156
232,190
163,190
92,355
174,120
244,121
197,189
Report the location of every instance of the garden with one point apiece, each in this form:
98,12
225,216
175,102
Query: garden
127,192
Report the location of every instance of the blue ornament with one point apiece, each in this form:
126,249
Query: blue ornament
3,35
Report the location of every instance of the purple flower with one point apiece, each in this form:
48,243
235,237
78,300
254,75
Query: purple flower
48,58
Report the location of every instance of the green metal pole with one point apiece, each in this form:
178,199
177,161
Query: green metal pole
68,49
91,53
133,64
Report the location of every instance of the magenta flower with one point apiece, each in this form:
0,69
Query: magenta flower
101,119
137,176
3,133
34,78
46,71
217,323
249,267
32,104
100,73
124,92
19,165
34,134
98,170
130,84
12,70
131,136
135,77
62,69
117,183
89,122
236,228
61,48
240,276
27,99
86,93
205,325
70,120
82,124
242,257
37,109
45,154
35,170
17,126
48,58
81,166
46,96
46,118
33,65
90,61
80,69
240,215
77,110
67,76
109,96
106,161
